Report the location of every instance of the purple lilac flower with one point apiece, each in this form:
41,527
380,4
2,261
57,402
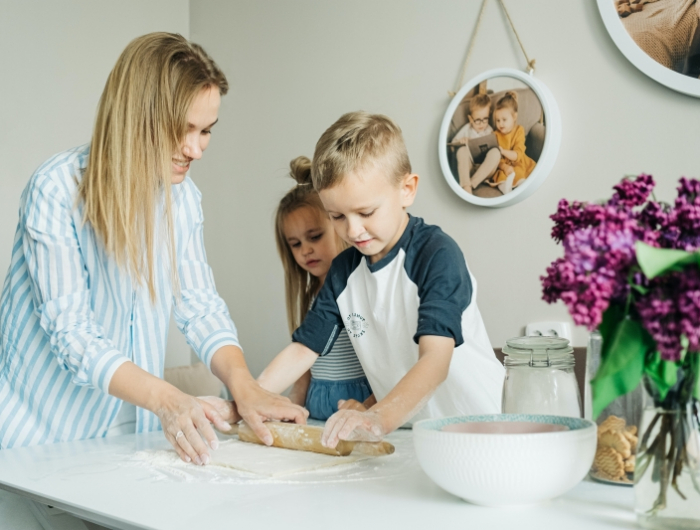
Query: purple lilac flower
632,192
594,270
683,225
599,262
670,310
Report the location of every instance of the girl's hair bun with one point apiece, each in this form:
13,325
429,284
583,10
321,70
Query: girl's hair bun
300,170
509,100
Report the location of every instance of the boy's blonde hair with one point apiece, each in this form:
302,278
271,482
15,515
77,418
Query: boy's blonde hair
479,102
141,122
300,286
354,142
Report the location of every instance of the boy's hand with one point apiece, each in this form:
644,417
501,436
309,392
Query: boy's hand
353,426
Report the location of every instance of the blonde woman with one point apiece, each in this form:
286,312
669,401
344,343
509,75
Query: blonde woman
109,241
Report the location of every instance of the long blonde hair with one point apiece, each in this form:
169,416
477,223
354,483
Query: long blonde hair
300,286
141,122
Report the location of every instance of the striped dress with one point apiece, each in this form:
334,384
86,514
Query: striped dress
69,317
341,363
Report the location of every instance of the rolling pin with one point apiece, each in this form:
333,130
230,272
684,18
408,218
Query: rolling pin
308,438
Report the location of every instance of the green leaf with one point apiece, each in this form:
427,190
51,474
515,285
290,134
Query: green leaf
656,261
695,367
640,289
663,374
625,343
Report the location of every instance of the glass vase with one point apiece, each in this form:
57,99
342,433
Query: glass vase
667,474
620,419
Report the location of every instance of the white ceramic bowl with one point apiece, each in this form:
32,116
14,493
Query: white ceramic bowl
515,466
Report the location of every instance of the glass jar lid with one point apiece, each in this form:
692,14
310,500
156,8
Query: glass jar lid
538,350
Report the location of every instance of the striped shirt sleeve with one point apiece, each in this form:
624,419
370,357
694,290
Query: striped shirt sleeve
200,313
60,286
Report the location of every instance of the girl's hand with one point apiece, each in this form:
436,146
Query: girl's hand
186,425
256,405
351,404
354,426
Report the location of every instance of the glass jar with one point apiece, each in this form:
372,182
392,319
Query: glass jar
540,377
621,418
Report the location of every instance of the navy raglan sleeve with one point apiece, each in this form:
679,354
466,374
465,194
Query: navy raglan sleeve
444,288
323,322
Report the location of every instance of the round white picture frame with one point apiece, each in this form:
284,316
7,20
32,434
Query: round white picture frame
546,160
639,58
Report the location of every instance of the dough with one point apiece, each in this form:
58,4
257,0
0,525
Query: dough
273,461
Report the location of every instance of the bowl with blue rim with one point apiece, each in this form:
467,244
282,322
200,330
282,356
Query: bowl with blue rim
505,459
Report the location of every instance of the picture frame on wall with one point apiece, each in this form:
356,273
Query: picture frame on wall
659,37
499,138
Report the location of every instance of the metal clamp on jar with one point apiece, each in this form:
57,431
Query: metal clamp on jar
540,377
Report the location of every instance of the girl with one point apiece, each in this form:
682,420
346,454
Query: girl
307,244
109,240
515,165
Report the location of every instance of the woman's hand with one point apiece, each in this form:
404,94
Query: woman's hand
186,425
354,426
226,409
256,405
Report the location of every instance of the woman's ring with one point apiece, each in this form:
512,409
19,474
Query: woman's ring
179,433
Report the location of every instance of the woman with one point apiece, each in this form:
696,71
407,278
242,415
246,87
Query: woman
109,241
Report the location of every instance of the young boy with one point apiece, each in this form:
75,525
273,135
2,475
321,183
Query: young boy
477,127
402,292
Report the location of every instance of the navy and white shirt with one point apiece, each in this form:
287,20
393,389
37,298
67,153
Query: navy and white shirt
69,316
421,287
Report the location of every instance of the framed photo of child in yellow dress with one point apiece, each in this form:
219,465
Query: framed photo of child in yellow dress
499,138
660,37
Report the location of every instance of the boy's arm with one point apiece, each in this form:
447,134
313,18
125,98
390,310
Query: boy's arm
289,365
402,403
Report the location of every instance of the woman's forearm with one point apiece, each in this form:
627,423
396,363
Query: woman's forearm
138,387
228,364
289,365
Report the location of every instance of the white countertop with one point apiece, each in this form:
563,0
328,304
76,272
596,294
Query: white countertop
100,481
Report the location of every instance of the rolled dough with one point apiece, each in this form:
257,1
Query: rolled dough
274,461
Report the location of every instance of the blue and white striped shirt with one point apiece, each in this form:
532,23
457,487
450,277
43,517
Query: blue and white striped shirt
69,317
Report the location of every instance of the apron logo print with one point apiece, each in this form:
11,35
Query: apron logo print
356,325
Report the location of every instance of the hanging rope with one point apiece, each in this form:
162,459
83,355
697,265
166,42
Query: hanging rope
471,46
530,62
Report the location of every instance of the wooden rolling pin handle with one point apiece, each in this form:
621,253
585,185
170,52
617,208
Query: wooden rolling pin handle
374,448
298,437
308,438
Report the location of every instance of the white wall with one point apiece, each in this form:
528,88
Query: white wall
54,61
295,67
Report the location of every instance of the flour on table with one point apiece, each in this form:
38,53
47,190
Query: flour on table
273,461
237,462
